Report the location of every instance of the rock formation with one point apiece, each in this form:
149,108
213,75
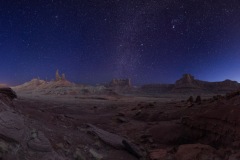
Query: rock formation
198,100
185,86
189,85
8,92
186,81
120,83
63,77
58,77
121,86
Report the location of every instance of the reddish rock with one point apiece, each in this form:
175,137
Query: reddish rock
196,152
158,154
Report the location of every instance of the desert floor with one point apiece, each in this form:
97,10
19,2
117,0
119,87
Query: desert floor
149,123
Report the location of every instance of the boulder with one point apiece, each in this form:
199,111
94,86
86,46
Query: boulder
190,99
40,143
198,100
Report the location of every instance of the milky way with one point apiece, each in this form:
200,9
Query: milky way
92,42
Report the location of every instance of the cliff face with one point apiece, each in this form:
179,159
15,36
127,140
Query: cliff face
188,83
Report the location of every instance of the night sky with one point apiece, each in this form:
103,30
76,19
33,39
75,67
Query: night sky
93,41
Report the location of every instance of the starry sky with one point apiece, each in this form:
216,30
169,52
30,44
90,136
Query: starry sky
93,41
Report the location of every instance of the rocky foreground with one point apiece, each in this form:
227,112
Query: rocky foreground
121,128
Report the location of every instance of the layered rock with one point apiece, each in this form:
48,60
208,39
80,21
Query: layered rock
187,84
31,85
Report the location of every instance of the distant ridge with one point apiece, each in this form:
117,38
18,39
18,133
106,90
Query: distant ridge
188,84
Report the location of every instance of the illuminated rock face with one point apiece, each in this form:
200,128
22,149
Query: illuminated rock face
58,77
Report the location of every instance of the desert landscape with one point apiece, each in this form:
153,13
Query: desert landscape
62,120
119,80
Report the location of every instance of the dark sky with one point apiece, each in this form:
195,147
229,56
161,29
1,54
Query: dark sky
93,41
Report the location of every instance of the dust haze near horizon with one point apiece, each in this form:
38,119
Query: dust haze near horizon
148,41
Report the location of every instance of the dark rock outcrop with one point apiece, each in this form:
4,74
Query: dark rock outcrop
198,100
9,92
116,141
190,99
